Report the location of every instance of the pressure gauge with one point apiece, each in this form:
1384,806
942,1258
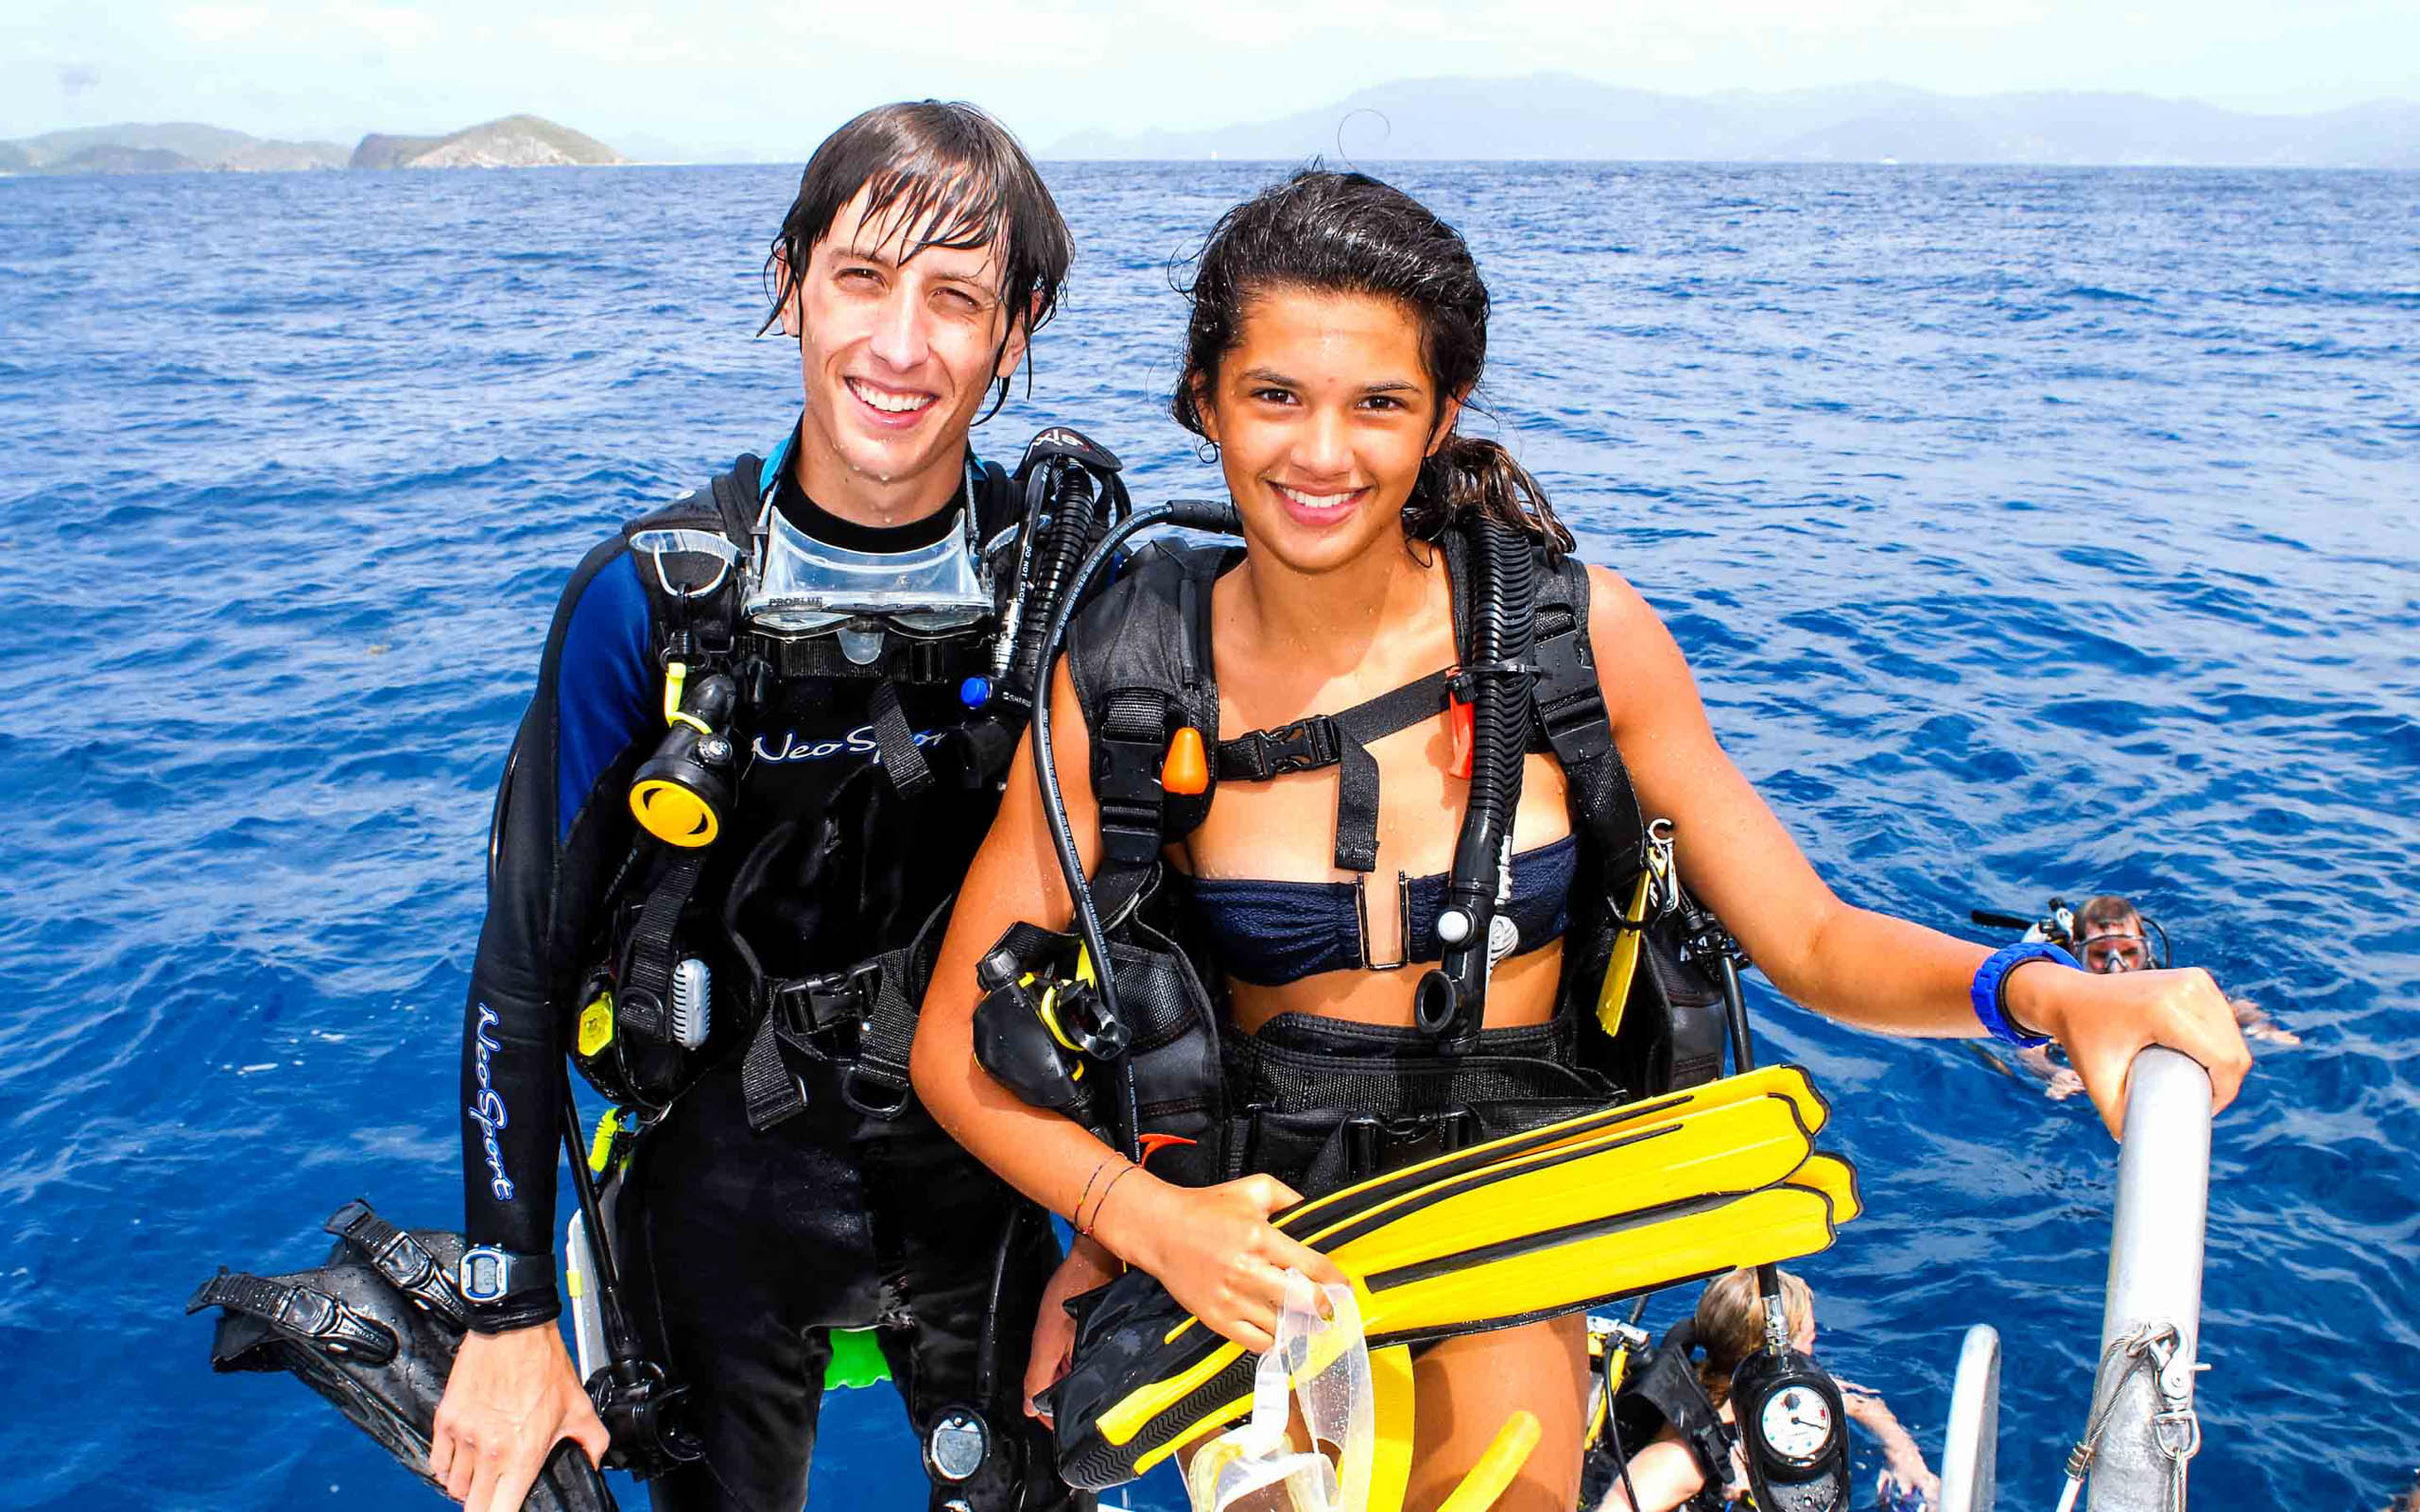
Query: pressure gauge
1797,1423
1792,1429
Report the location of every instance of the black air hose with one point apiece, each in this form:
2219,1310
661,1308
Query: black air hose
1063,492
1192,514
1451,999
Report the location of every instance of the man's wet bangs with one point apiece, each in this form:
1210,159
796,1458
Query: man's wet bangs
954,206
942,175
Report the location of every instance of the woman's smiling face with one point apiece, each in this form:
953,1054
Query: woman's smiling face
1323,411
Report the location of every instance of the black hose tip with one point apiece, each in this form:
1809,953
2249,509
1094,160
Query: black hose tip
1215,515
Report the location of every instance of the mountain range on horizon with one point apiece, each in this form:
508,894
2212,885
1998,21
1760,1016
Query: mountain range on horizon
1540,117
188,146
1564,117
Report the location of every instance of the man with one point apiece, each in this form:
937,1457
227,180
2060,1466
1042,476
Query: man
2110,937
818,768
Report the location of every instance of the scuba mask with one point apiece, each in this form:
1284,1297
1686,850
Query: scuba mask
799,587
2115,951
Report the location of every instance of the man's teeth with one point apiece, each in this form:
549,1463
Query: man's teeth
1315,500
890,403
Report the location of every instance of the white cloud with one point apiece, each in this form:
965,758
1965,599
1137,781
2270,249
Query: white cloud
217,23
397,28
625,37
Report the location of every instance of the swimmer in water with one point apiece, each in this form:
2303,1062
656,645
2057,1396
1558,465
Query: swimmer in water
2110,937
1730,1326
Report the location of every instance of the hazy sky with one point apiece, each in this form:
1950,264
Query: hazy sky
772,79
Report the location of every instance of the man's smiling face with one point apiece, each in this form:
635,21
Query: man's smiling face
897,355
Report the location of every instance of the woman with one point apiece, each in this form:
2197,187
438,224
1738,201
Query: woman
1730,1326
1338,330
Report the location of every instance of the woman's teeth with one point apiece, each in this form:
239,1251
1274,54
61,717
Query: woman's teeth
890,403
1317,501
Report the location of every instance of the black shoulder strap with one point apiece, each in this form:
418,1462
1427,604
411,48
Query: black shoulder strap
1571,714
1140,661
1669,1383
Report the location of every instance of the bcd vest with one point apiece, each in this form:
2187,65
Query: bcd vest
1140,664
862,790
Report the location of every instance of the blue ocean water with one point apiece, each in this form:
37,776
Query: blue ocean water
2028,532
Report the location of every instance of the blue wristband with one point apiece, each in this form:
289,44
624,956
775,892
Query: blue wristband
1990,991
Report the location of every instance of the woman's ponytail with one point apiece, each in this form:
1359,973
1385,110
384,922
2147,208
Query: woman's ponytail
1469,477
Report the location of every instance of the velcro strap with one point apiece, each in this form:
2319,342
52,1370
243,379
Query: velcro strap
906,765
876,1083
1129,743
1400,710
1570,704
770,1089
401,1259
640,1008
300,1313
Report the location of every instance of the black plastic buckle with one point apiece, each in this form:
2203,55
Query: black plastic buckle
1374,1145
1126,785
811,1006
1307,744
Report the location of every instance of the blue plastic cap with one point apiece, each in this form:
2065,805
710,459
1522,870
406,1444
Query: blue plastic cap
975,691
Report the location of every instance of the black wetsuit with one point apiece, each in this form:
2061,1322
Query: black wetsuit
741,1250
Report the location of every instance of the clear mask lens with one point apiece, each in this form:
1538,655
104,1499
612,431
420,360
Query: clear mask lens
2116,952
806,587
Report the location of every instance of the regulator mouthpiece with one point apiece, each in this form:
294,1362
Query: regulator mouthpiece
682,792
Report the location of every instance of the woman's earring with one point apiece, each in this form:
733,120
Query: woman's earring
1207,451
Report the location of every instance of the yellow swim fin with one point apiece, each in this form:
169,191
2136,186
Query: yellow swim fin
1522,1229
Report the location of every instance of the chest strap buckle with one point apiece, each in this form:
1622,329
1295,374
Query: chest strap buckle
813,1008
1304,745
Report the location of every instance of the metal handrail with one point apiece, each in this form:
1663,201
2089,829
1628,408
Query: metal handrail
2142,1429
1971,1448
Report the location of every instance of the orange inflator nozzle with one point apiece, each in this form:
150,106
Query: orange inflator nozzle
1185,769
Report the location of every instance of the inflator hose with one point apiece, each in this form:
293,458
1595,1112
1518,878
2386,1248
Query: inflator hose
1216,516
1066,488
1451,999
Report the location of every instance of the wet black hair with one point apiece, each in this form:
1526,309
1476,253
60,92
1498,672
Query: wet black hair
1339,232
959,180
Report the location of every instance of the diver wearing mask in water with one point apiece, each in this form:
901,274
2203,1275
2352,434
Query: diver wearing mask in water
771,726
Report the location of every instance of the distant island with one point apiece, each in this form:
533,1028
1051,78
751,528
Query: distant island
180,146
1544,117
1560,117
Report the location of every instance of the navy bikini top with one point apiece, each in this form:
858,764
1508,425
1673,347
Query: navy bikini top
1272,933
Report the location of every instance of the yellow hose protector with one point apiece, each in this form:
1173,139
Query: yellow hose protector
676,679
